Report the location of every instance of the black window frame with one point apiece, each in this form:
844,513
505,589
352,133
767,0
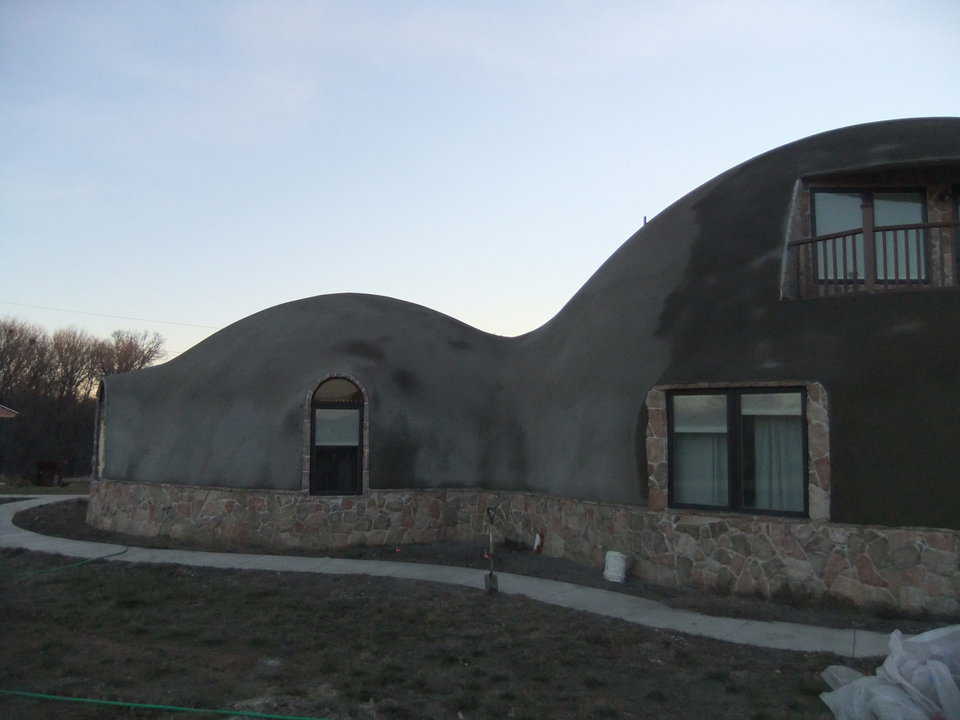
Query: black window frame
734,479
356,404
863,192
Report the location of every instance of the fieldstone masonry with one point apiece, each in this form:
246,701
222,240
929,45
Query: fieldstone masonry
914,569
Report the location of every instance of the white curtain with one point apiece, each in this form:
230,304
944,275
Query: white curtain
700,468
778,458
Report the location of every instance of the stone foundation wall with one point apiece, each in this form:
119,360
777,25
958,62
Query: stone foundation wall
915,569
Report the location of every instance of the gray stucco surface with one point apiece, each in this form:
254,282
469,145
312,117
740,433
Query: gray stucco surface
694,296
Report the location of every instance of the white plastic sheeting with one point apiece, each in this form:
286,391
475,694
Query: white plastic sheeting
917,681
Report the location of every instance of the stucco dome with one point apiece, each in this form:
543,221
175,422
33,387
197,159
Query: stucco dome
693,296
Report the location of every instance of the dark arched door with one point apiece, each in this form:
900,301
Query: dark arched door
336,447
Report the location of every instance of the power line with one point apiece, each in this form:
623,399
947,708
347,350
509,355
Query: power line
118,317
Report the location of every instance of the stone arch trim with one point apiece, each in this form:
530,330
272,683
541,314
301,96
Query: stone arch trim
364,431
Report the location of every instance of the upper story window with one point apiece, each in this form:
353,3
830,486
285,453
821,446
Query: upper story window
870,232
738,449
897,218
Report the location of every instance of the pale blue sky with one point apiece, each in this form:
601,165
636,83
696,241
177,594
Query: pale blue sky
199,161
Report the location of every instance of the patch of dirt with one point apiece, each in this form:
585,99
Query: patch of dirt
67,519
360,647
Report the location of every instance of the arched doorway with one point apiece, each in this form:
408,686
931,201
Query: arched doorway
336,443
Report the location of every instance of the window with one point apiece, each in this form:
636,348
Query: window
739,449
842,217
336,449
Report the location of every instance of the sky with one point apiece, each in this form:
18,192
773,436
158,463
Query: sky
181,165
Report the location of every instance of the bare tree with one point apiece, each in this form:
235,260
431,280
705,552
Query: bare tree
73,371
127,350
24,351
50,380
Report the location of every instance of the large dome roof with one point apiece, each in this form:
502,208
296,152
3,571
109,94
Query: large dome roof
695,295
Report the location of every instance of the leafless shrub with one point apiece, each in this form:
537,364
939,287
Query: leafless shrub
51,380
127,350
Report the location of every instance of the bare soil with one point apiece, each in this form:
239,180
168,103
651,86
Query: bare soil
67,519
359,647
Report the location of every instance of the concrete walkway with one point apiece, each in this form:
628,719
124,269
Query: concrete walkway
779,635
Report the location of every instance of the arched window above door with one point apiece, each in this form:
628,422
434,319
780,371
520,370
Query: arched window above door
337,389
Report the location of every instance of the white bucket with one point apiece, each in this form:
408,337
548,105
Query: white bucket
615,567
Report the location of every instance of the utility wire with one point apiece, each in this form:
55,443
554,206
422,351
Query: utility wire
119,317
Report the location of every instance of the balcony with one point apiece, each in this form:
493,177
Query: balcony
868,259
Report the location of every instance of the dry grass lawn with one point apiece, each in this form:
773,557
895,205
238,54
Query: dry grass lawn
360,647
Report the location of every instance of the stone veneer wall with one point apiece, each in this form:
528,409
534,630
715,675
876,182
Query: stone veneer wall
914,569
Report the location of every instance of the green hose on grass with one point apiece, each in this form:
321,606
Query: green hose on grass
71,565
147,706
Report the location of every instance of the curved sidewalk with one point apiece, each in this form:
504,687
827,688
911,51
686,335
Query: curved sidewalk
778,635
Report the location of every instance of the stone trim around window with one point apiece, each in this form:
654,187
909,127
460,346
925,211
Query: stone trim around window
940,191
305,456
818,443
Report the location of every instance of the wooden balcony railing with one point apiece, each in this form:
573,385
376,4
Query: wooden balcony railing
873,259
